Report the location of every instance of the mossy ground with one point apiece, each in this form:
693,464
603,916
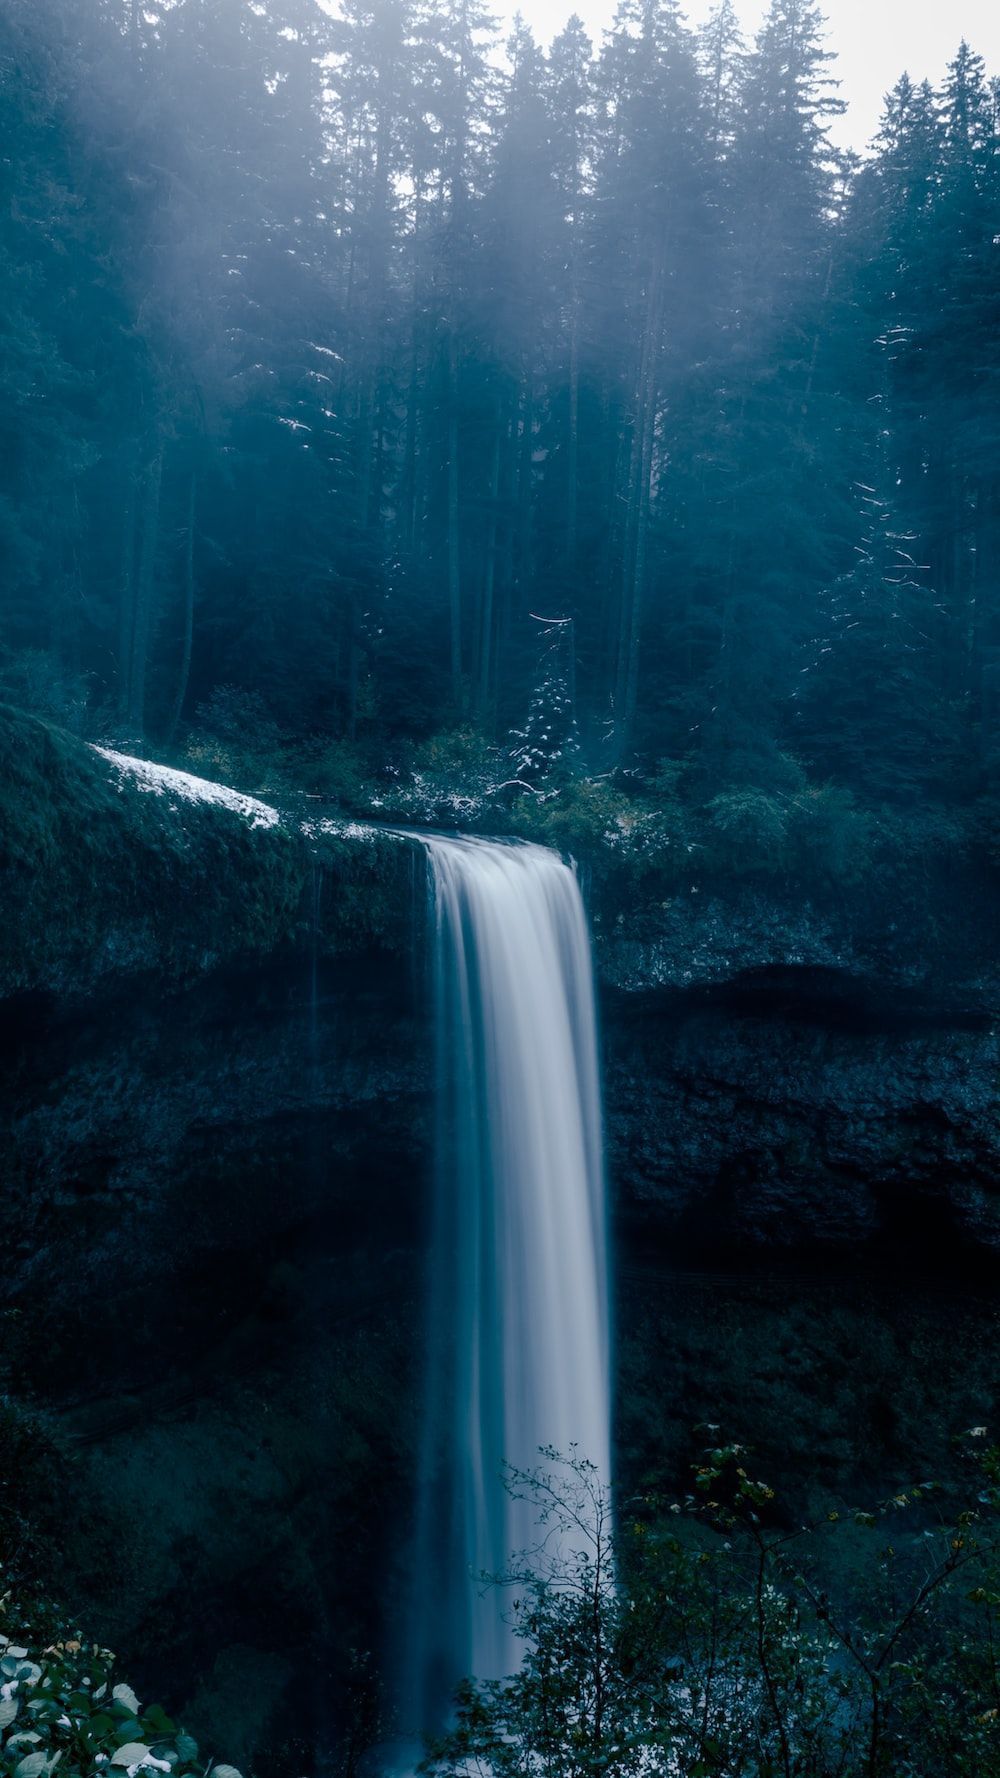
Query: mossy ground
101,880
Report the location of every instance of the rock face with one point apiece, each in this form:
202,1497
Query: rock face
210,1321
804,1109
787,1073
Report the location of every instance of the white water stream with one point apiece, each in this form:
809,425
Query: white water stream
519,1337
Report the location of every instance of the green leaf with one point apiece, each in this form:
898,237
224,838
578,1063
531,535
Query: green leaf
131,1754
157,1718
8,1711
31,1766
124,1695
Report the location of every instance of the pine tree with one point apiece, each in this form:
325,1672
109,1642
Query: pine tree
722,55
547,749
570,88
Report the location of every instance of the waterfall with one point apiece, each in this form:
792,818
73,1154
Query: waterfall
519,1320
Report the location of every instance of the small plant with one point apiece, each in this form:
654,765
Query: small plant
63,1705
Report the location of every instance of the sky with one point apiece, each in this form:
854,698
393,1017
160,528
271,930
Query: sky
875,41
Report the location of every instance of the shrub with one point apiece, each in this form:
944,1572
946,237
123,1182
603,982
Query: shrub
705,1639
63,1704
236,741
332,770
830,834
749,830
449,780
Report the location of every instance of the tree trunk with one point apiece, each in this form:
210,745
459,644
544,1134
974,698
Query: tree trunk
186,647
144,591
637,521
408,491
525,473
454,547
573,451
489,577
353,663
126,595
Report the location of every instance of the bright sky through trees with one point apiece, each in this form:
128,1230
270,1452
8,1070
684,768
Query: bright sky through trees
875,41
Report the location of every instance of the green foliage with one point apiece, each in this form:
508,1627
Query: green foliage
910,849
627,843
450,779
832,835
63,1704
235,741
986,820
705,1638
330,770
816,835
650,839
752,829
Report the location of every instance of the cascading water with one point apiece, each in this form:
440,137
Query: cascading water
519,1323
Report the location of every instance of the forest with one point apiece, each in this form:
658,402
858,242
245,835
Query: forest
342,352
499,849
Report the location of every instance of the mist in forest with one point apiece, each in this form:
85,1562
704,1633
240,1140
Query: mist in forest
341,349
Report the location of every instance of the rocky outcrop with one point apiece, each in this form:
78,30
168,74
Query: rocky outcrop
795,1109
939,938
113,869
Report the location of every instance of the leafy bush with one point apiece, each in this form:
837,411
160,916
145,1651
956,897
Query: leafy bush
831,836
449,780
750,830
615,833
331,770
236,741
712,1638
62,1704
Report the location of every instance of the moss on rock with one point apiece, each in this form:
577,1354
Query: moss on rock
101,879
